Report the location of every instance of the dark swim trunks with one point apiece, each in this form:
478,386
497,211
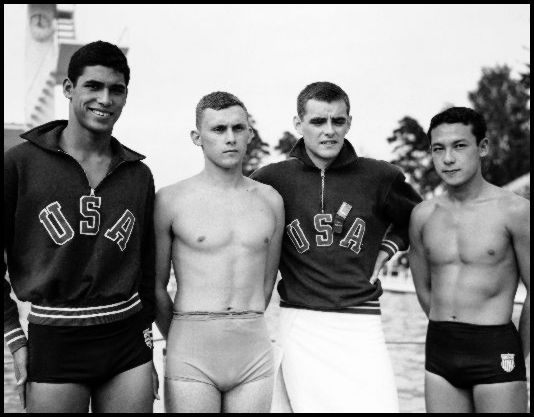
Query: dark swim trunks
469,354
87,355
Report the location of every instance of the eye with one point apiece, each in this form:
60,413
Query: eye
339,121
435,150
460,145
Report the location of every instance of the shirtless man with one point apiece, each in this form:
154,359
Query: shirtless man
223,232
469,248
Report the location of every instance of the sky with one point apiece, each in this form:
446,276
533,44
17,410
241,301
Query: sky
392,60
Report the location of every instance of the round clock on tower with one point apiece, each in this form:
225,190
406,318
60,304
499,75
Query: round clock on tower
41,26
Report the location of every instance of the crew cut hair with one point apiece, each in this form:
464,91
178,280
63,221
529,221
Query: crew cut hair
217,100
321,91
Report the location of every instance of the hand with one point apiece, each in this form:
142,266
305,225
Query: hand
381,260
155,382
20,359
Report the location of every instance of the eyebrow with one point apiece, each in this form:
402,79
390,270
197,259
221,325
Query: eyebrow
101,84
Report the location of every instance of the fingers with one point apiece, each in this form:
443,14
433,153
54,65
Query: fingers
155,384
21,389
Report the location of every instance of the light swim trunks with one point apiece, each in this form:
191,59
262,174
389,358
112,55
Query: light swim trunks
223,349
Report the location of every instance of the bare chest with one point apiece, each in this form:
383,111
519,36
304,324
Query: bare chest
465,236
208,224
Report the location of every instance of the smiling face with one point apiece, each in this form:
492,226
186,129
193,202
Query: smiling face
224,136
455,153
323,127
97,98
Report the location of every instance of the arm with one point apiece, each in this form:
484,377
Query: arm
146,286
520,232
275,247
398,204
418,262
14,336
163,230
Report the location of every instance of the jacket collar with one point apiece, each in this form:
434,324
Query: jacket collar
47,137
346,156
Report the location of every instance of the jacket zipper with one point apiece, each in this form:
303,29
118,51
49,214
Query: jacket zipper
85,173
322,190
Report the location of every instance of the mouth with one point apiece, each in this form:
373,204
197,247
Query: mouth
328,142
101,113
231,151
451,171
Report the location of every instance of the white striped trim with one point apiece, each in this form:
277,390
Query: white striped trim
18,329
85,316
16,338
363,306
86,308
394,246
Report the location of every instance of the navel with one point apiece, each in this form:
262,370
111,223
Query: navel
491,252
201,239
266,240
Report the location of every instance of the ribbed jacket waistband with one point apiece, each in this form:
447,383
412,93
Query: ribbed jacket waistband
368,307
84,316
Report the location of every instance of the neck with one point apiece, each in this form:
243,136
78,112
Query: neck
224,178
318,162
77,140
468,191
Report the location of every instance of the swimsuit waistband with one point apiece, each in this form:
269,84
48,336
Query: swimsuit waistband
214,315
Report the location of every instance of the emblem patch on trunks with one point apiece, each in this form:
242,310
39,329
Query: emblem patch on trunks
147,333
507,362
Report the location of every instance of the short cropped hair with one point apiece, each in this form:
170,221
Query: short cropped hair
463,115
321,91
217,100
98,53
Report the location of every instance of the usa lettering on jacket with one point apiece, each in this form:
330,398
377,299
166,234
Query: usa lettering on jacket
60,230
322,223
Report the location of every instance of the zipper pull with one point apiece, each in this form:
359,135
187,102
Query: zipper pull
92,192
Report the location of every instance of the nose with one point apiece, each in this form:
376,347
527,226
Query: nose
230,137
448,158
104,98
329,128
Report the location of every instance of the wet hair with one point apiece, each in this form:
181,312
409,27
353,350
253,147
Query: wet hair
217,100
321,91
463,115
98,53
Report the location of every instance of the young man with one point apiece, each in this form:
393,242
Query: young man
338,209
469,248
78,234
223,232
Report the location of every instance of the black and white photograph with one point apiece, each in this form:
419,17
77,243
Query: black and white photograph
266,208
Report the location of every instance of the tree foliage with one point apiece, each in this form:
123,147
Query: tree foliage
286,143
257,149
412,156
504,103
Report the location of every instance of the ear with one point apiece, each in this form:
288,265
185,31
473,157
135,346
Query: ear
68,88
483,147
298,125
195,137
250,135
349,122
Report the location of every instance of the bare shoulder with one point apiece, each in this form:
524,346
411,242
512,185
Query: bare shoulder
516,209
170,195
268,193
424,210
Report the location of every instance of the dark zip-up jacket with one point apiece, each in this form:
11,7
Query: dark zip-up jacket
81,256
328,255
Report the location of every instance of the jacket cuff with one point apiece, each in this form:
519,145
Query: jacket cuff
15,339
390,247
